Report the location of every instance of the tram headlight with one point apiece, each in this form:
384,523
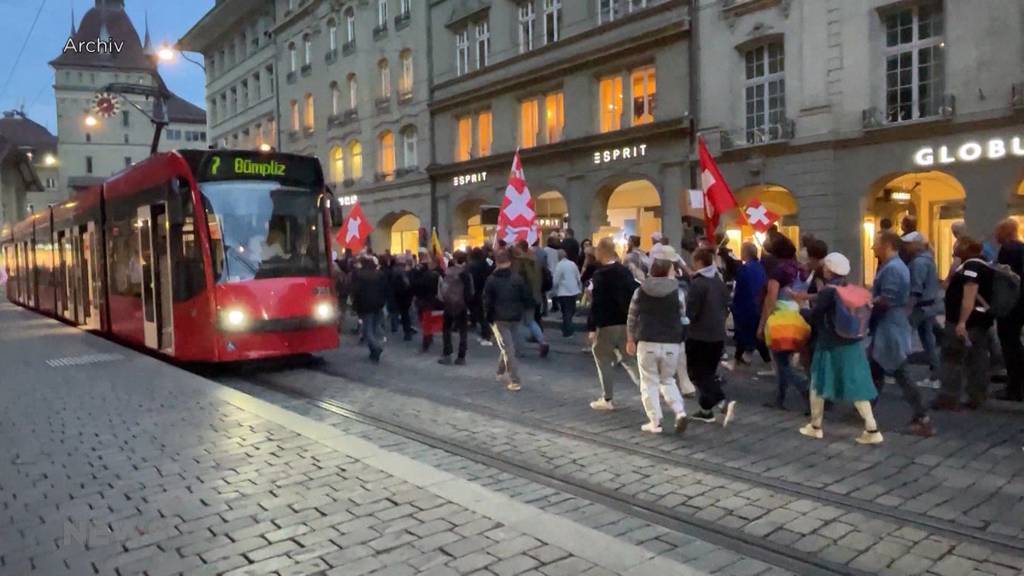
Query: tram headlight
324,312
234,319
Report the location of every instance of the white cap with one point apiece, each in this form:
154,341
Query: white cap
663,252
837,264
914,236
656,237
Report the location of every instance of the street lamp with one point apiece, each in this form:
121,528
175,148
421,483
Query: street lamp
265,147
49,160
91,121
165,53
168,53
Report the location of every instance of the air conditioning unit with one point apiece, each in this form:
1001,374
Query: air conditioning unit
1017,96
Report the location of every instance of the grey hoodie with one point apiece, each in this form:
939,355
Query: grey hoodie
657,312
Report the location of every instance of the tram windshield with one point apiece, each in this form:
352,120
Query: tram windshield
262,229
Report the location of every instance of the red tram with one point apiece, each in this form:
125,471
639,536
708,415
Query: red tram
200,255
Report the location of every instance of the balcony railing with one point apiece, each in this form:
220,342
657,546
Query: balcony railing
742,6
342,119
383,104
290,78
331,56
875,117
781,132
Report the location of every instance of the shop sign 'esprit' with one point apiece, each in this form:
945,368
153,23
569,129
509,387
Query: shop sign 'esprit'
620,153
994,149
473,178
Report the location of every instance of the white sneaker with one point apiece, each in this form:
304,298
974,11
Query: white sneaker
602,404
728,412
869,437
486,343
811,432
929,383
651,427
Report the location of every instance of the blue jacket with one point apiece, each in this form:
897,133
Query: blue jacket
890,344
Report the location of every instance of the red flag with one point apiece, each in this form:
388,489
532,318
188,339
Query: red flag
759,216
355,229
517,220
717,196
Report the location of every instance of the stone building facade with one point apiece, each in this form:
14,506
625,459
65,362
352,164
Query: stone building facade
28,167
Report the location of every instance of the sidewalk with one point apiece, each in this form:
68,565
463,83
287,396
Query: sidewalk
117,463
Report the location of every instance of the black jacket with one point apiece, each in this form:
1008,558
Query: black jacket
424,287
369,291
479,270
401,288
613,290
707,306
572,249
506,297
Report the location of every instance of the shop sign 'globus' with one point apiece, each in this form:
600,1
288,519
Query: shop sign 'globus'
994,149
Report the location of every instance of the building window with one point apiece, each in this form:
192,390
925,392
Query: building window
483,43
332,35
292,58
644,87
554,116
462,52
409,156
385,79
307,50
464,138
552,20
765,90
610,103
294,109
88,137
309,117
88,164
335,99
526,25
355,159
350,25
528,116
127,161
607,11
337,164
406,7
353,92
484,134
386,157
405,82
382,13
914,62
125,119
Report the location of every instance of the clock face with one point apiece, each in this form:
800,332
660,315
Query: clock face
106,105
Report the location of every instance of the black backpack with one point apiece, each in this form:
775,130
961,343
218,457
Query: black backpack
547,282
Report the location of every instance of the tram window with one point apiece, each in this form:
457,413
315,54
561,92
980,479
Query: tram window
125,264
189,277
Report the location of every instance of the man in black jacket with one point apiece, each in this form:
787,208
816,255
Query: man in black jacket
613,287
707,307
400,301
456,291
480,270
506,300
369,295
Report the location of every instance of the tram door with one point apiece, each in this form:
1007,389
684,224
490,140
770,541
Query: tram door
154,249
89,286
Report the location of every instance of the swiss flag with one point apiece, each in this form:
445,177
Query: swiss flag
355,229
717,196
517,220
759,216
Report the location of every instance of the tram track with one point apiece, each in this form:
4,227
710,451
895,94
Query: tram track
734,540
934,525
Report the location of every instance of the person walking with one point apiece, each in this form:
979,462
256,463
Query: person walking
456,291
612,292
890,328
506,300
369,296
529,269
550,261
782,272
965,351
636,260
707,307
425,279
839,369
567,290
654,331
746,309
925,301
480,269
571,246
1011,253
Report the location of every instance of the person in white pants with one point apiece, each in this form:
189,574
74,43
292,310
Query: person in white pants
654,331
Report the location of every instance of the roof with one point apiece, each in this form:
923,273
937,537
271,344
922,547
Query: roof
181,110
464,9
18,131
107,20
211,28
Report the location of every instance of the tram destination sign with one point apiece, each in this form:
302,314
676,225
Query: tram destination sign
242,165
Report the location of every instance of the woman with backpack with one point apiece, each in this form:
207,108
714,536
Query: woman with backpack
839,369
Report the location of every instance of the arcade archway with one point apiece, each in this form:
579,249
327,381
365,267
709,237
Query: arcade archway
401,232
934,198
468,230
632,208
552,212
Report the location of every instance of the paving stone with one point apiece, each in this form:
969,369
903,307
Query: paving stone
471,562
513,565
857,541
568,567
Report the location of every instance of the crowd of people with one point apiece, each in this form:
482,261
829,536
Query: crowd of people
662,317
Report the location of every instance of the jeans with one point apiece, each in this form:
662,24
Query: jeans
607,341
401,317
658,364
786,375
924,324
455,321
962,361
530,324
372,324
1013,354
567,304
910,392
702,363
504,337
